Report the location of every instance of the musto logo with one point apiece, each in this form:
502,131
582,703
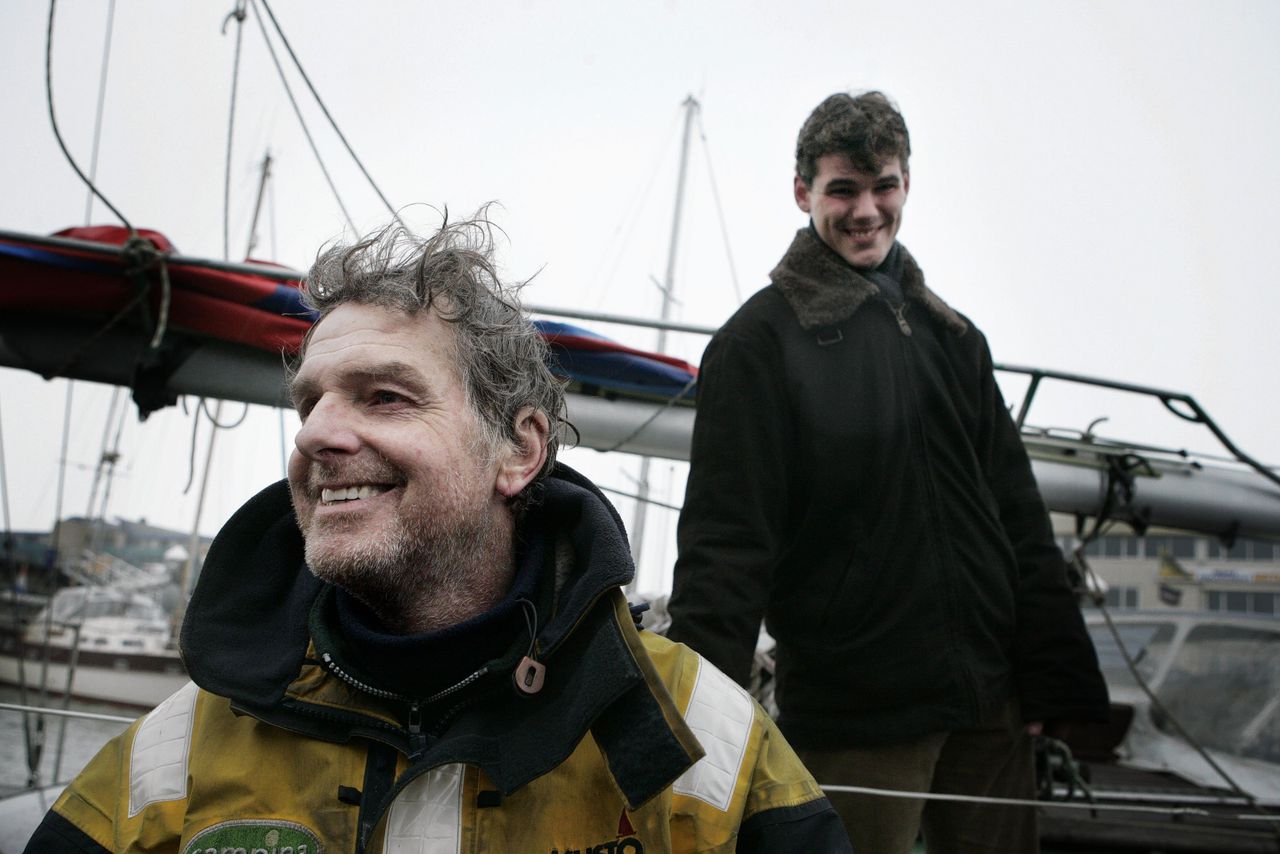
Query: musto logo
255,837
624,843
630,845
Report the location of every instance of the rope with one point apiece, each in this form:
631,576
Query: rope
238,14
191,460
661,409
218,425
139,254
66,713
298,64
1056,748
102,97
858,790
162,322
715,195
53,120
1042,804
202,408
288,91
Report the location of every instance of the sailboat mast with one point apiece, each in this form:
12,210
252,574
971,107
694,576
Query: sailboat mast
193,544
257,208
691,107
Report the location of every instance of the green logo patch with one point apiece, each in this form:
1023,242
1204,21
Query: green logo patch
255,837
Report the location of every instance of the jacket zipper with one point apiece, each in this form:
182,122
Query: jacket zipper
953,618
417,738
334,668
900,314
417,741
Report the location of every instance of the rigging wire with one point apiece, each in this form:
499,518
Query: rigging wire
302,72
62,461
102,97
53,120
715,195
634,497
32,725
631,218
658,410
4,501
1025,802
1182,811
306,131
238,14
271,219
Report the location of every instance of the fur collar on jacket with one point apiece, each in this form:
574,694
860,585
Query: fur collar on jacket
823,290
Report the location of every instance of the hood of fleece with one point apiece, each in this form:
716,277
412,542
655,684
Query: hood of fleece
246,628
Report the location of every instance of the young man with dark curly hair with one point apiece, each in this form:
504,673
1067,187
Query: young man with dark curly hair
857,483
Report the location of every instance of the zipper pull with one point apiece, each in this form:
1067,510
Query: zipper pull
529,676
899,313
417,739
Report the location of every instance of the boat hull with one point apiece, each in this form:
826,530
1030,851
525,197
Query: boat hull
136,680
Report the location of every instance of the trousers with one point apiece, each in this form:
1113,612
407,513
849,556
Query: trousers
995,759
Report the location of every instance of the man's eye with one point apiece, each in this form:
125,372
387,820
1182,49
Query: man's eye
382,398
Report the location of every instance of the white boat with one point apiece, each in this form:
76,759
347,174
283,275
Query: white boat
1210,735
98,643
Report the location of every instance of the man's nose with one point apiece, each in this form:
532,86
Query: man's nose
329,428
864,206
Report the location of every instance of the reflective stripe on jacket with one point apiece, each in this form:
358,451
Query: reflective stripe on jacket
193,775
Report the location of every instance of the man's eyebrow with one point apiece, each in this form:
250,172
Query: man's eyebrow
401,374
395,373
843,184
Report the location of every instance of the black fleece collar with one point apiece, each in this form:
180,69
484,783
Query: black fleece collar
247,633
823,290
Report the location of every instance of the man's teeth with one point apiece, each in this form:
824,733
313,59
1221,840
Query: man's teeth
349,493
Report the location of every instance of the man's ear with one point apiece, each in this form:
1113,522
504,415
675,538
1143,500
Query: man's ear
906,183
802,194
522,461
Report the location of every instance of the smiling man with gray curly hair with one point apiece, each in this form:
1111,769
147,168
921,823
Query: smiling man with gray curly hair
420,641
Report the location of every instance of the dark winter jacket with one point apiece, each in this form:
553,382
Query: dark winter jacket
856,480
288,744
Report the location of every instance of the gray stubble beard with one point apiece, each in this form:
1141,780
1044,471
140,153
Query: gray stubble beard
425,573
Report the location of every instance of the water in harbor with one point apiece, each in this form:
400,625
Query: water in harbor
83,739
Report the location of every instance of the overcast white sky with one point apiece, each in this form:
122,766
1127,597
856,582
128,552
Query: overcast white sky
1094,183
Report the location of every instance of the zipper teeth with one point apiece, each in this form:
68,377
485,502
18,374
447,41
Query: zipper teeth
456,688
332,667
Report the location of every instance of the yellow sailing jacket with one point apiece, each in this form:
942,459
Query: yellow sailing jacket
194,777
634,744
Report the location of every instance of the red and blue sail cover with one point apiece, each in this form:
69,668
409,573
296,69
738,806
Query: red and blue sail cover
265,313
